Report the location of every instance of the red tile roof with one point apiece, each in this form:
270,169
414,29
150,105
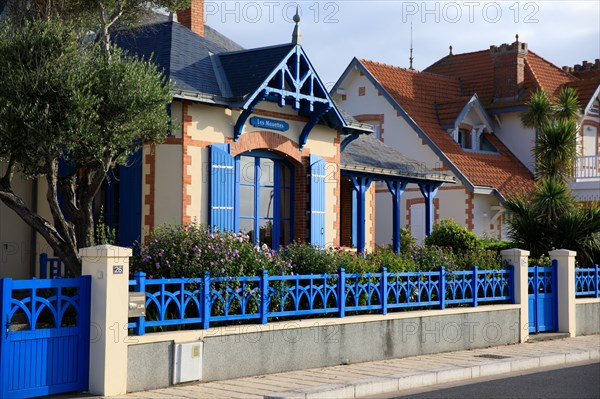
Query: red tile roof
585,89
546,75
417,93
476,73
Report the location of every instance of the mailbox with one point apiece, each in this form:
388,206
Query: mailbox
137,304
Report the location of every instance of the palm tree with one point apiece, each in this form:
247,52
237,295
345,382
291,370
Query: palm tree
550,217
555,123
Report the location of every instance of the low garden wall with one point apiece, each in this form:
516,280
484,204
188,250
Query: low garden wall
587,304
587,316
247,350
250,325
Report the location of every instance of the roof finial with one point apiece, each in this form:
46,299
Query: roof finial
411,47
517,38
296,35
450,50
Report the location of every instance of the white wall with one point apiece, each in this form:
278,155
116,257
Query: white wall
518,139
485,208
398,134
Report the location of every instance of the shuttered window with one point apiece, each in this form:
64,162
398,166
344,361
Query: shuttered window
317,201
222,188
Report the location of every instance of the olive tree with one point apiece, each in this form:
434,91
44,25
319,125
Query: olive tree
64,97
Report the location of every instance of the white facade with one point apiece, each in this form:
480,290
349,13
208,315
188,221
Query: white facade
453,201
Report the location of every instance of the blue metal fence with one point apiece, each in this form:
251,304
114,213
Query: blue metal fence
45,336
587,282
206,300
51,267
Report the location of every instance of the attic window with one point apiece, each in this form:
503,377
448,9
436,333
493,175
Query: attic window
464,139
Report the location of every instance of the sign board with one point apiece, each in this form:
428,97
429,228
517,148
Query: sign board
137,304
267,123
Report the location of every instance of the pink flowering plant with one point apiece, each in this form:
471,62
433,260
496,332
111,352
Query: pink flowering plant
189,250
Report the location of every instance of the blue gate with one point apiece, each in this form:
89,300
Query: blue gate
543,306
44,336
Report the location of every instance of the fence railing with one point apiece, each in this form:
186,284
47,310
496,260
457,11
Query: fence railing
51,267
587,282
587,167
201,301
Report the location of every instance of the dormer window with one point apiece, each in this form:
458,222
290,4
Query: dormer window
464,139
473,139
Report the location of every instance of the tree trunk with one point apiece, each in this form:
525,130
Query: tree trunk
67,253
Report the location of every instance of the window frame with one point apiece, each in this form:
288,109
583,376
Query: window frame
277,187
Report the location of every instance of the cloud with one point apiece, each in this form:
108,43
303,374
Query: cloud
564,32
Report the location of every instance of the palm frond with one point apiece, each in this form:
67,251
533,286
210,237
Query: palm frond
556,150
567,108
539,110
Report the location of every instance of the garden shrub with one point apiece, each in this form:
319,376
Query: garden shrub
407,240
189,250
497,245
307,259
450,234
480,257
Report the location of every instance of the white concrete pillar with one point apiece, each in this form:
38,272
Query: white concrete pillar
109,267
519,258
565,291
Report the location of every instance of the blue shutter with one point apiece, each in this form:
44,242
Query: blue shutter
317,201
130,200
222,188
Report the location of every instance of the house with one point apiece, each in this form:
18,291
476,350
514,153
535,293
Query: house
461,115
258,146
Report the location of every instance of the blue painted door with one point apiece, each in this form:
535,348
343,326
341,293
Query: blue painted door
543,306
130,201
44,336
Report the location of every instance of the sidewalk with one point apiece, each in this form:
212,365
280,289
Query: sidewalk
364,379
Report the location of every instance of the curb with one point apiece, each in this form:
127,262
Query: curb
409,380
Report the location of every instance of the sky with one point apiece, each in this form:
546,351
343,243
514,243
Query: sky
333,32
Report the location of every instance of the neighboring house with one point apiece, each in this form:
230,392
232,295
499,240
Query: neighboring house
460,115
260,147
586,184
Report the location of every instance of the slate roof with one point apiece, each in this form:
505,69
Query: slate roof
211,68
369,154
417,93
183,55
246,70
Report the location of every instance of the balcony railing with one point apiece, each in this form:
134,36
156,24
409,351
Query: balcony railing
587,167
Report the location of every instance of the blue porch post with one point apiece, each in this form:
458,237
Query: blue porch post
397,188
360,184
429,190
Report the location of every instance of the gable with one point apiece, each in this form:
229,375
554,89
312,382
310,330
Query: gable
414,95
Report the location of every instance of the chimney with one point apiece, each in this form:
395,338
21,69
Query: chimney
509,69
193,17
